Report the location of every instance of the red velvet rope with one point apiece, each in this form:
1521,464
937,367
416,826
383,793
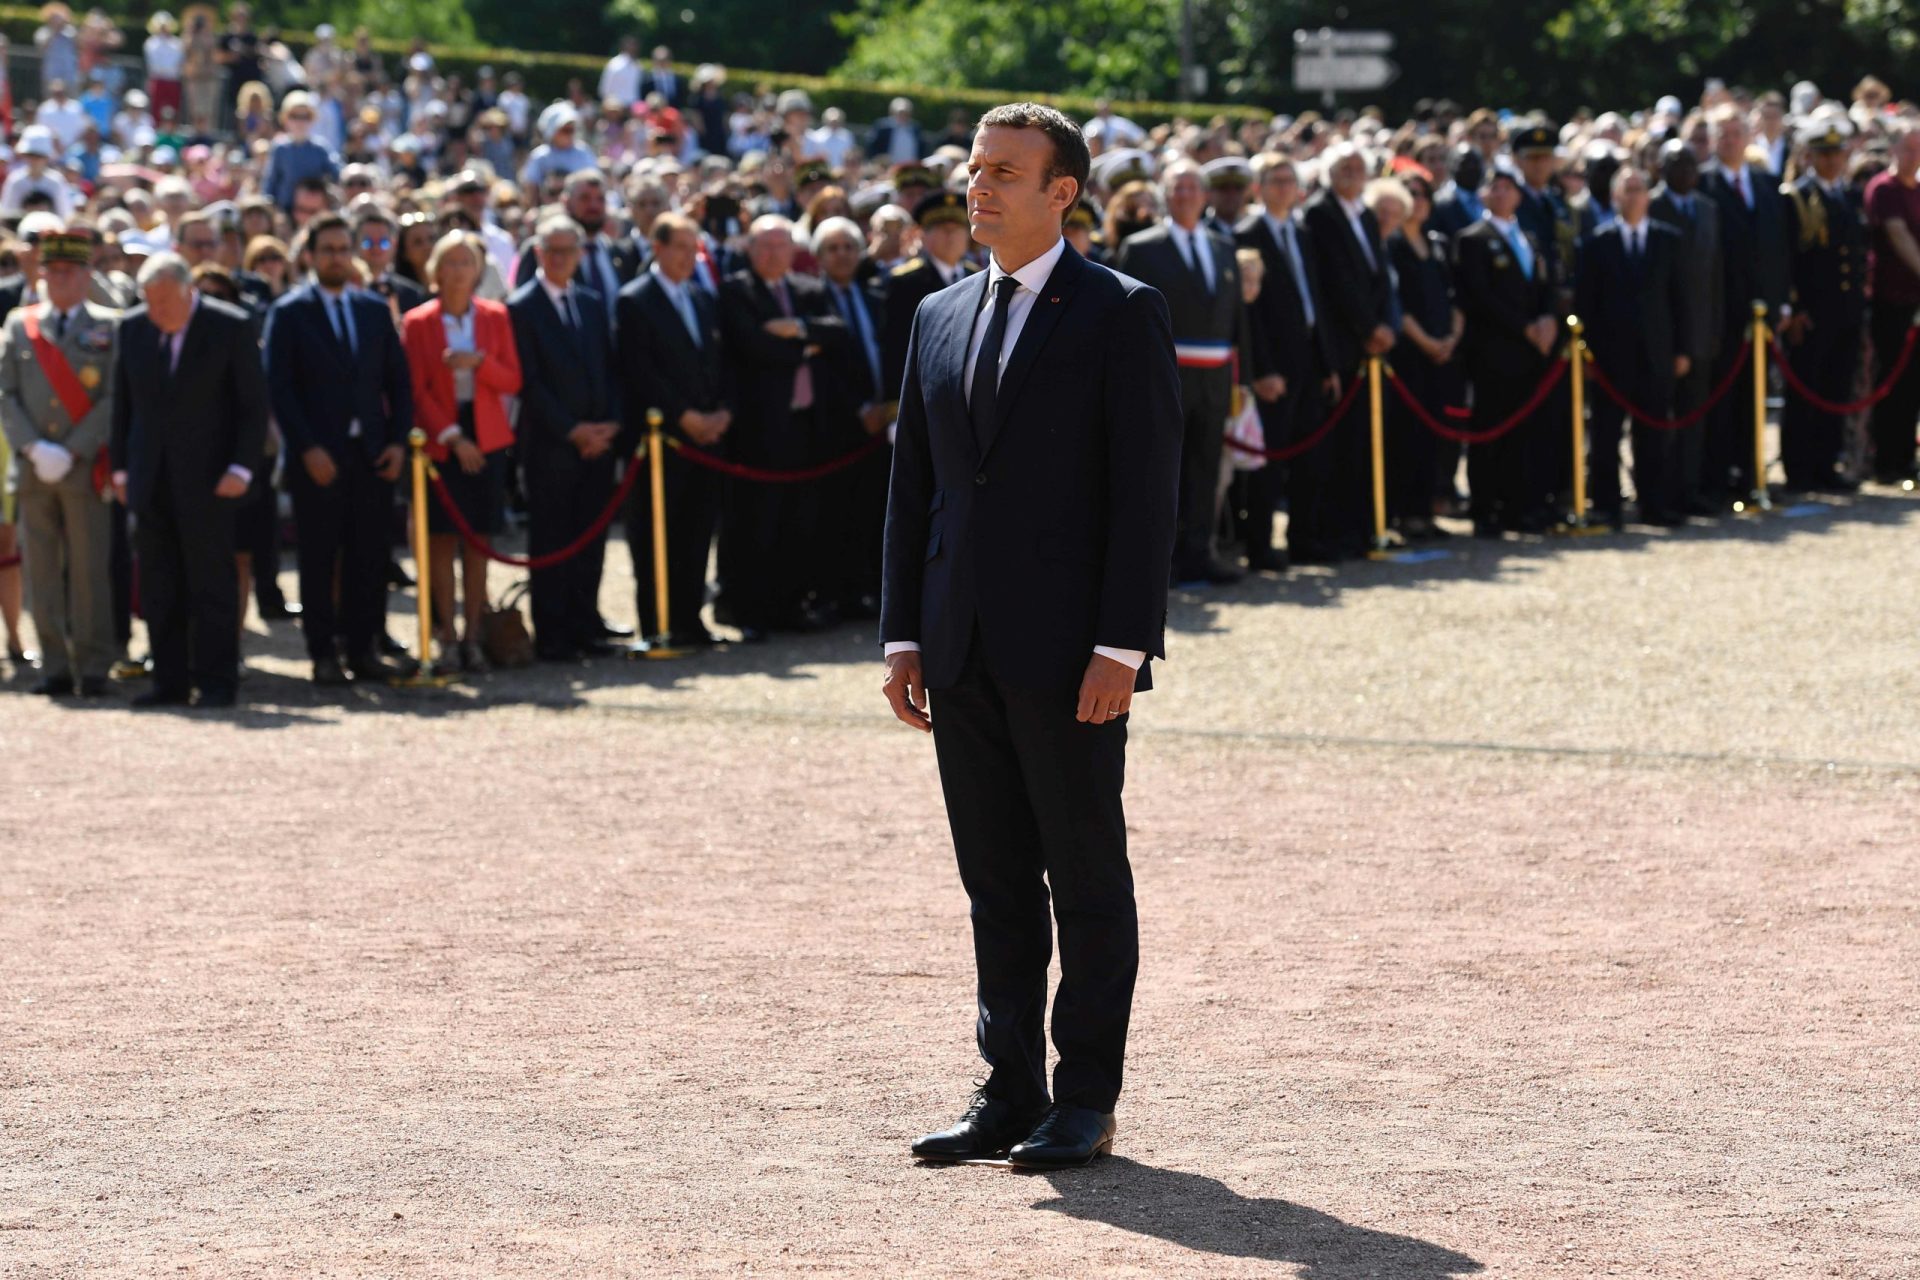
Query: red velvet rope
1489,434
1287,453
741,471
1825,405
479,543
10,562
1693,416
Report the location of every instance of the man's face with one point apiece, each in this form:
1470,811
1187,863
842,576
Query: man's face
1830,164
67,284
169,303
677,255
1730,142
1772,119
560,257
1009,199
946,241
770,253
1229,203
1502,197
332,254
198,243
1537,167
1186,197
475,203
1630,197
1680,171
307,205
840,256
1486,136
1280,190
1348,177
376,245
1906,153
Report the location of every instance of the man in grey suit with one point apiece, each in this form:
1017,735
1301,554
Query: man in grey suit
56,406
1194,268
1677,202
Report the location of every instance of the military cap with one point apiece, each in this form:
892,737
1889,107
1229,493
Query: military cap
811,172
1829,133
1084,215
74,247
1536,137
1115,169
912,173
1227,171
941,206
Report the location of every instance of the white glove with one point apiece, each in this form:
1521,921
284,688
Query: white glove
51,462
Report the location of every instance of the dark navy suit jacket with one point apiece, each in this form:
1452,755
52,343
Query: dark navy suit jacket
318,388
1054,533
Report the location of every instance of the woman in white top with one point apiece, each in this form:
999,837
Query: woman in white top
166,55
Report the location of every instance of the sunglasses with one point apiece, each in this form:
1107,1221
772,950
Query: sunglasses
376,242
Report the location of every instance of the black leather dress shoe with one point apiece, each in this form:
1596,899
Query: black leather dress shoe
214,699
986,1129
1266,560
91,687
54,687
278,611
1067,1138
162,698
371,666
557,652
328,674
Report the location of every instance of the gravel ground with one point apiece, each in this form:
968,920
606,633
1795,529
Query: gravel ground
1547,911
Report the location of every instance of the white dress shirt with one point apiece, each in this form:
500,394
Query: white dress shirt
1353,209
1287,236
1194,248
1032,278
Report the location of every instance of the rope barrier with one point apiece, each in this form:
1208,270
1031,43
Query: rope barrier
1825,405
478,541
1286,453
10,562
1692,417
741,471
1486,435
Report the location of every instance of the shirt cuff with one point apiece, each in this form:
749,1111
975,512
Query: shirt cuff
448,436
901,646
1131,658
246,476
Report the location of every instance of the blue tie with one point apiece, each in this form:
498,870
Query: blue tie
1522,251
684,305
857,317
343,325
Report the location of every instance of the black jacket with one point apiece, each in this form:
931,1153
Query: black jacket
1052,535
1499,302
1152,257
319,389
1635,311
658,365
565,377
1753,245
1702,265
1358,297
761,367
907,286
1286,345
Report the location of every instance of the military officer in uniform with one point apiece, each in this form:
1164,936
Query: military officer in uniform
1560,230
942,260
1229,183
1827,238
56,407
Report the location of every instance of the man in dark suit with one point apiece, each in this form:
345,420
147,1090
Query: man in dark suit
1504,287
1678,203
1560,229
1631,297
1291,366
1196,272
1753,231
778,328
856,407
662,79
1029,529
942,261
1456,206
1351,262
1827,237
606,264
569,420
668,341
189,423
343,398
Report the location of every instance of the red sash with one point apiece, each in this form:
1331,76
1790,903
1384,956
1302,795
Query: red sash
66,386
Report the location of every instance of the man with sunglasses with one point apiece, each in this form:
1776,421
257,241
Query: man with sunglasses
376,242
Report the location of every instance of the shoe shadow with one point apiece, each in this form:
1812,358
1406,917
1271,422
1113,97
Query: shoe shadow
1207,1216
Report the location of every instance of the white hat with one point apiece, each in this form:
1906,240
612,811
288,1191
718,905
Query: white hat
36,140
324,31
1668,106
39,223
557,116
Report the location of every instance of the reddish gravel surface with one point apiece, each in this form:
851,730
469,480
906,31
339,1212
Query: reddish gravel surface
1548,912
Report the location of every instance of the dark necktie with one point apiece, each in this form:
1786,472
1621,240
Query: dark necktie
341,326
981,404
1197,245
60,327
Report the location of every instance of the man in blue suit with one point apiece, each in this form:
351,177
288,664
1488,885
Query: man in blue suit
338,382
1030,524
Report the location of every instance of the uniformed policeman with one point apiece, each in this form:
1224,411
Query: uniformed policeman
1229,180
56,406
1560,230
944,239
1826,236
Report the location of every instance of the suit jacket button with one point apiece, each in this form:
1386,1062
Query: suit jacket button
980,478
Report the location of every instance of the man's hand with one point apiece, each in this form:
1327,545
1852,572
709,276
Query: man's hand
590,438
906,690
387,466
230,486
784,327
1380,341
1270,388
1542,332
319,464
875,417
472,461
1106,691
1682,366
120,488
1332,385
1794,330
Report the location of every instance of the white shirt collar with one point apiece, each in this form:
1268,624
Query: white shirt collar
554,292
1634,228
1035,274
1353,208
1505,225
673,288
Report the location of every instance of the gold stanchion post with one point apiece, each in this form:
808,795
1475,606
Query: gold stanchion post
660,645
1580,526
423,674
1760,500
1381,549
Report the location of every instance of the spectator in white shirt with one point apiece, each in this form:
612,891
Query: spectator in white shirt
37,175
832,140
62,115
621,79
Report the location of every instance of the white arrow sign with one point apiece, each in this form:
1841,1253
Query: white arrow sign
1350,73
1326,38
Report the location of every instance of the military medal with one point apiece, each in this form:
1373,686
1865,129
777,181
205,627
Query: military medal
89,377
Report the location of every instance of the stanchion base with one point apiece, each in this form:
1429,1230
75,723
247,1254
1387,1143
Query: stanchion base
1757,505
425,678
1384,553
1583,529
656,649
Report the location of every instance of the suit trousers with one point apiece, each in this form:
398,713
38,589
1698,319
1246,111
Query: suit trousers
1504,474
1810,440
1727,467
1205,397
1688,449
564,496
1653,453
1893,417
693,509
67,534
1033,799
1412,450
189,591
767,534
344,530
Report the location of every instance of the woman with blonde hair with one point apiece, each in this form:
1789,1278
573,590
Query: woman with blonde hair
460,347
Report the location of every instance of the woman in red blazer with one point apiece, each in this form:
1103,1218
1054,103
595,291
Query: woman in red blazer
460,348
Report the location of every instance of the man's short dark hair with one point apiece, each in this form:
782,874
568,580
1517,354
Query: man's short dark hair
667,224
372,215
318,184
1070,158
322,223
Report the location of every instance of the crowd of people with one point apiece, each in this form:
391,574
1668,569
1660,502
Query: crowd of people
250,275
